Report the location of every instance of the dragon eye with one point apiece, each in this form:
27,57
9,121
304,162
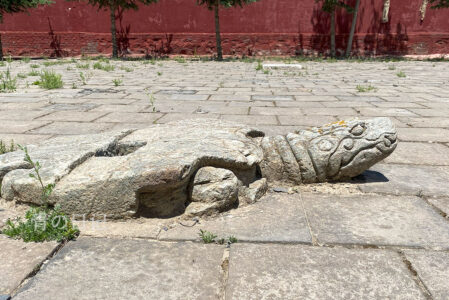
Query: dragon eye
358,129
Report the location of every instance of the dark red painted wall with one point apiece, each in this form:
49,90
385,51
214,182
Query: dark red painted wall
269,27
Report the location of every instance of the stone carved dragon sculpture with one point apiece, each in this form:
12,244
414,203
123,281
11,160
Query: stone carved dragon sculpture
193,167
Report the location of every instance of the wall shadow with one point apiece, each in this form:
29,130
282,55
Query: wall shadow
379,39
55,43
123,32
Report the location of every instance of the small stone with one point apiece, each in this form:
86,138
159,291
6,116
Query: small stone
280,190
214,190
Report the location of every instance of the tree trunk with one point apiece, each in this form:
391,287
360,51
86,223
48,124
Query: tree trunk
217,31
1,48
423,9
113,32
1,44
351,34
333,48
386,11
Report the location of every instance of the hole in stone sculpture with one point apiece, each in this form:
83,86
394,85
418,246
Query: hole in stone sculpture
120,149
254,133
162,201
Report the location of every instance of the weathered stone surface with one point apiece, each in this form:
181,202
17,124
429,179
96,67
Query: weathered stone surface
415,153
151,172
18,260
375,220
406,180
97,268
441,203
134,228
335,151
305,272
274,218
433,269
214,190
58,158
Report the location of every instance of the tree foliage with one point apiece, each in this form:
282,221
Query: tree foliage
226,3
439,3
122,4
330,5
16,6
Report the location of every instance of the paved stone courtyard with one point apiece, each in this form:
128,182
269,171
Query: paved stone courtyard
382,235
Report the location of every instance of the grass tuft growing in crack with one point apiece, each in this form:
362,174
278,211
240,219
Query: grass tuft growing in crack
208,237
49,80
117,82
41,223
365,88
5,148
7,82
105,67
401,74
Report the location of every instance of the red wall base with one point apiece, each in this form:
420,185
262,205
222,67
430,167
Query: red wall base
72,44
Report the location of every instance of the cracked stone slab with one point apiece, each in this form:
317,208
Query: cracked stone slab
133,228
58,158
433,269
305,272
282,66
375,220
274,218
19,259
441,203
405,180
128,269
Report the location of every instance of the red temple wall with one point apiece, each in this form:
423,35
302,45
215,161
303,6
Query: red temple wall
268,27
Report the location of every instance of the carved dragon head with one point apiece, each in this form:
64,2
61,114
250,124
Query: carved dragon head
347,148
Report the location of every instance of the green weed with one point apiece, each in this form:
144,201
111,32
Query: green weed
105,67
7,82
364,89
127,69
180,60
4,148
41,223
207,237
33,73
401,74
117,82
50,80
83,66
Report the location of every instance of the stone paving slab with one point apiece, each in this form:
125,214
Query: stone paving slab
305,272
275,218
74,128
375,220
420,154
433,269
133,228
18,260
13,127
442,204
406,180
424,134
97,268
